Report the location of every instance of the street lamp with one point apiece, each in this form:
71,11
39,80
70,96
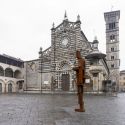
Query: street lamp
40,64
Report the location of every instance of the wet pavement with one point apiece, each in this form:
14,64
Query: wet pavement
37,109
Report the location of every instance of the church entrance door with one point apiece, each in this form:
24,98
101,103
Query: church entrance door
0,87
65,82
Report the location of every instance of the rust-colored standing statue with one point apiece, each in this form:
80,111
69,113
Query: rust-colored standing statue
80,76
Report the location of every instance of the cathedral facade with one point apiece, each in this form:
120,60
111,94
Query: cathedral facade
52,71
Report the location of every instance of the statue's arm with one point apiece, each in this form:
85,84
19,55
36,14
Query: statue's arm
75,68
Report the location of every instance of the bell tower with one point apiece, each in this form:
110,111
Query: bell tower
112,44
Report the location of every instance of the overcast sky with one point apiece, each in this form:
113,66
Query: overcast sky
25,24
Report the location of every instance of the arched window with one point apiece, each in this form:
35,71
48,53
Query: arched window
112,26
112,49
112,38
1,71
65,67
8,72
112,57
17,74
112,65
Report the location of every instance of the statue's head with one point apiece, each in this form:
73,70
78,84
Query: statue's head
78,55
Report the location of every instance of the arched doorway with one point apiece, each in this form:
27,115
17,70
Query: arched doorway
65,82
65,68
0,87
10,87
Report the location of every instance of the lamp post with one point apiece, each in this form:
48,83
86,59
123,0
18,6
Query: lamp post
40,65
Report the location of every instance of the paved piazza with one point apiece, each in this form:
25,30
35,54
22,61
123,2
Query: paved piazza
36,109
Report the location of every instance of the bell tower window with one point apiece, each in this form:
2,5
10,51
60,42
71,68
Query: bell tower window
111,26
112,38
112,49
112,57
112,65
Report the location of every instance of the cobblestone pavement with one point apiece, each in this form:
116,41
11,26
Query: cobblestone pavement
36,109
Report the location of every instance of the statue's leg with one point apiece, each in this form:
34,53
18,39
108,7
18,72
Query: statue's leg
82,109
80,99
